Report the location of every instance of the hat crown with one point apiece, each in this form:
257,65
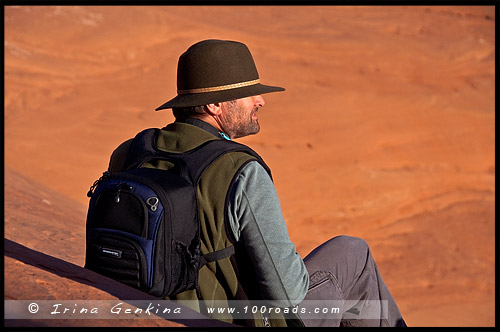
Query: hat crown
212,63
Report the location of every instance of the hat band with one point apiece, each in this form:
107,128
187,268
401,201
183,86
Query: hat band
219,88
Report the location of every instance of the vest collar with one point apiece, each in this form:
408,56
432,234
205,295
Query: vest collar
204,125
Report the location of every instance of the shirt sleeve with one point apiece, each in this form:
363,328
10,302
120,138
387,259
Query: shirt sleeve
255,217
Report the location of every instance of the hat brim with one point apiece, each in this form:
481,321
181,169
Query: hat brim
198,99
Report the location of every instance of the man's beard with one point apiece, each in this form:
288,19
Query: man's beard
239,124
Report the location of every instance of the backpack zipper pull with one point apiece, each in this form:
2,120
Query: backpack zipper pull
121,186
117,197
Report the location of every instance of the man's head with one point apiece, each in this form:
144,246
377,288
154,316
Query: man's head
236,118
219,78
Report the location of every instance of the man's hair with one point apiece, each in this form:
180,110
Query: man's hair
182,113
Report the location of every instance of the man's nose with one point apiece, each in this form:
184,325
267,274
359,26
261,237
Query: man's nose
259,101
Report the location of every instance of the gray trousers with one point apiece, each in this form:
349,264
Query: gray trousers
346,288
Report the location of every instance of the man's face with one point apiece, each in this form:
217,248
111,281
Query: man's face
239,117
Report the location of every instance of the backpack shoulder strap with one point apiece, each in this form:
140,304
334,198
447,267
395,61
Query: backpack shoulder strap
199,159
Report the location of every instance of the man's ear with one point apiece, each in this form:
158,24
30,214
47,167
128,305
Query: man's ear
213,109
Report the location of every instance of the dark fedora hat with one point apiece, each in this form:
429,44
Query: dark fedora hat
213,71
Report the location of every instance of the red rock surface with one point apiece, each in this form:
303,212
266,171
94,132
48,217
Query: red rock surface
386,132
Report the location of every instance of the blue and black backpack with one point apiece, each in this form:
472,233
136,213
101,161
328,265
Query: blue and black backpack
142,224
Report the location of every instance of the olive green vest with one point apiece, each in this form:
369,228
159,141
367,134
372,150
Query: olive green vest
217,280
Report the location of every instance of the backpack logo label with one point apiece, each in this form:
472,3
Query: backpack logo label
112,252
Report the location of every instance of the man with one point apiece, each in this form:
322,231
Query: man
219,95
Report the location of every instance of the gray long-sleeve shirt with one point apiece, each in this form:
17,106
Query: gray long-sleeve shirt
256,219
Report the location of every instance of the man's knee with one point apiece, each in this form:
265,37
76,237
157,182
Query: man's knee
341,250
350,243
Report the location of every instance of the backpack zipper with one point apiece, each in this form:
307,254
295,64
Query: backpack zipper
104,176
266,321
